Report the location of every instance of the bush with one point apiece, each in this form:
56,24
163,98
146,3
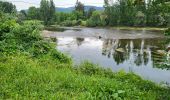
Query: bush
83,23
71,23
90,23
167,32
25,38
140,19
96,20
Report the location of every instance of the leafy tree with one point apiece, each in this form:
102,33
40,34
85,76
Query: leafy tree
7,7
23,12
33,13
79,10
22,15
78,15
44,11
79,7
47,11
52,11
137,12
96,19
90,12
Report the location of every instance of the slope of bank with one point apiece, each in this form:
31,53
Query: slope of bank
31,68
23,77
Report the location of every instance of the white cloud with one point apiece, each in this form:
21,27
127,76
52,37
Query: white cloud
25,4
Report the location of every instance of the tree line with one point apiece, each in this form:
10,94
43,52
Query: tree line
154,13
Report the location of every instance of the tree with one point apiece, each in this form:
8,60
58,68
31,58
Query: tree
96,19
79,10
79,7
52,11
7,7
23,12
33,13
47,11
22,15
90,12
44,11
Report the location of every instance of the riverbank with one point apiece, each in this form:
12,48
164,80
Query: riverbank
140,28
23,77
63,28
31,68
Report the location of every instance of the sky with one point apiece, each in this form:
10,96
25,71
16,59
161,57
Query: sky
25,4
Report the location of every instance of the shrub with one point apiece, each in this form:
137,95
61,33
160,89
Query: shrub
90,23
83,23
67,23
167,32
25,38
71,23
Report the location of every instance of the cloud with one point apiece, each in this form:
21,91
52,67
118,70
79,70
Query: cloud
25,4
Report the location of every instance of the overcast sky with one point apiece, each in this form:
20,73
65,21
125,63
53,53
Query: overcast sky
25,4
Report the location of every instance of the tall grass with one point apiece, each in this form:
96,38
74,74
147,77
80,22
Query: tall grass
23,77
30,68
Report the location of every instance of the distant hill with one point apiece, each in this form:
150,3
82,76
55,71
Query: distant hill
70,9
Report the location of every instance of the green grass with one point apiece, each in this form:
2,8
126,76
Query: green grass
24,77
140,28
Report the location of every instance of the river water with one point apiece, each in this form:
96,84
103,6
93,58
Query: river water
140,52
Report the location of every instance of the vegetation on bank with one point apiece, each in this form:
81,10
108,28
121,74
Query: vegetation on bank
141,13
24,77
31,68
167,32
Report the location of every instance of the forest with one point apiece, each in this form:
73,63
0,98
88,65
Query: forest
32,68
137,13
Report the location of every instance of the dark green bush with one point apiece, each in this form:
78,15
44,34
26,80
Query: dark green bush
71,23
90,23
25,37
167,32
60,56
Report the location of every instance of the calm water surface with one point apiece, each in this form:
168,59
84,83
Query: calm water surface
140,52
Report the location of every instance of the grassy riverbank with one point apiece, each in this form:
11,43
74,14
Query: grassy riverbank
140,28
31,68
24,77
62,28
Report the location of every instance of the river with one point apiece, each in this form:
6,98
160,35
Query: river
137,51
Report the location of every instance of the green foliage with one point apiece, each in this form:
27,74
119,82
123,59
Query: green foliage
30,68
23,77
83,23
90,23
79,7
90,12
47,11
137,13
71,23
96,20
167,32
25,37
140,19
78,15
33,13
22,15
55,28
61,17
7,7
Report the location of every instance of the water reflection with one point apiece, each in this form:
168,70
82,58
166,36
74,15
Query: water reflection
142,56
79,41
139,52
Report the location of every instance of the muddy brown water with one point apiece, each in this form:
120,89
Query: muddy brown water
140,52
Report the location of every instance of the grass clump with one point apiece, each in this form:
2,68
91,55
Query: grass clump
30,68
23,77
167,32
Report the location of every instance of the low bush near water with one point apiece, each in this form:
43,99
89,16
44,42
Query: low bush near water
167,32
44,78
30,68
